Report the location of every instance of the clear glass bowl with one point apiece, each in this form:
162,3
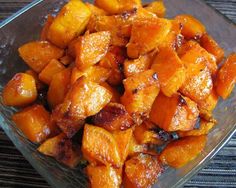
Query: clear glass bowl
25,26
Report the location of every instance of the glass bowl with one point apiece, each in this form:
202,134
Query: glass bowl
25,26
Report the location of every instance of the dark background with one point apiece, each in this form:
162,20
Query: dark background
15,171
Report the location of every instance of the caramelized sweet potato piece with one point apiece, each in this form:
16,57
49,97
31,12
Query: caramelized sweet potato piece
146,35
117,6
47,24
34,122
85,98
170,71
52,68
113,117
157,7
66,60
69,23
226,77
20,90
98,145
39,53
174,113
140,93
144,135
91,49
141,171
95,10
135,66
94,73
115,94
58,88
136,148
62,149
204,129
103,177
39,84
114,60
192,28
124,141
212,47
179,153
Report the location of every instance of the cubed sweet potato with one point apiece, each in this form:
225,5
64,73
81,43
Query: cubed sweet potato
103,177
62,149
91,49
66,60
140,93
212,47
39,53
47,24
95,10
98,145
174,113
34,122
20,90
135,66
94,73
204,129
141,171
170,71
115,94
136,148
84,98
113,117
157,7
146,35
58,88
114,61
192,28
124,141
179,153
52,68
226,77
69,23
39,85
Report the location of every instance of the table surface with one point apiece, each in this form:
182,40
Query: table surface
15,171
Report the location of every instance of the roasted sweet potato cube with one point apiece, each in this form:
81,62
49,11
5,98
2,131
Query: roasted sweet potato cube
144,135
140,93
141,171
94,73
117,6
179,153
34,122
69,23
47,24
84,99
103,177
99,146
204,129
207,105
226,77
66,60
52,68
192,28
95,10
58,88
136,148
124,141
198,87
113,117
146,35
20,90
39,84
174,113
91,49
114,60
170,71
192,53
212,47
157,7
62,149
135,66
39,53
115,94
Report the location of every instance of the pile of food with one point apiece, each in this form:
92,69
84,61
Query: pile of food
111,82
